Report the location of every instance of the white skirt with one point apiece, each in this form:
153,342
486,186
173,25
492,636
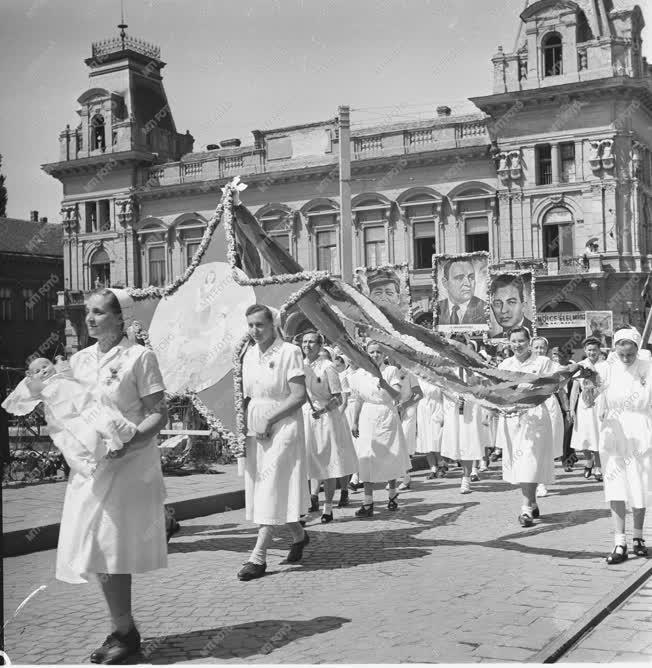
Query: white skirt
464,437
429,423
114,522
586,428
409,425
276,477
557,420
329,445
526,442
381,449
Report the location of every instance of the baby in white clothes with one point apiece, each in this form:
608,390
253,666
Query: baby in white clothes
83,425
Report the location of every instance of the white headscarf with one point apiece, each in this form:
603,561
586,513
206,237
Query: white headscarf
630,334
127,307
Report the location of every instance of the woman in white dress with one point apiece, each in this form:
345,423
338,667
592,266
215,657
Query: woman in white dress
465,434
275,473
329,447
430,417
526,439
557,405
380,444
625,410
113,524
408,401
586,425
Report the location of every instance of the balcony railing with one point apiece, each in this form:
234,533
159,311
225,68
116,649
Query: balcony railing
550,267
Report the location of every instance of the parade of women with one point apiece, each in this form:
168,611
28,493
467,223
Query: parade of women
333,418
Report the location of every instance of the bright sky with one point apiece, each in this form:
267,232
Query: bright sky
242,65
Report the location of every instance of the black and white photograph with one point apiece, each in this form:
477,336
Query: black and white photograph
460,285
324,332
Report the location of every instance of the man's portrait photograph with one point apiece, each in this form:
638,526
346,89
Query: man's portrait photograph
512,303
461,287
386,286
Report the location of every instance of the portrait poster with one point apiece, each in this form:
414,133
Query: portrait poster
600,324
387,285
513,303
461,292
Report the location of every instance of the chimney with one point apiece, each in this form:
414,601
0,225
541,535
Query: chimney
443,111
230,143
33,216
43,219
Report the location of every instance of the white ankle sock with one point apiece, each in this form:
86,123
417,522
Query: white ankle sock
328,508
392,492
527,510
368,500
620,539
434,468
637,533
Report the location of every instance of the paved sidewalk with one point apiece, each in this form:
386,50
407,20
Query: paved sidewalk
625,635
446,578
37,505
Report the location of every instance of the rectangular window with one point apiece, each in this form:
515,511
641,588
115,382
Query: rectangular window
157,266
90,217
30,298
567,153
6,310
425,244
477,234
327,251
191,249
282,240
374,246
105,215
544,165
558,241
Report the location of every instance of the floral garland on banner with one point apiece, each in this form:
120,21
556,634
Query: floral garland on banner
435,290
239,446
215,425
155,292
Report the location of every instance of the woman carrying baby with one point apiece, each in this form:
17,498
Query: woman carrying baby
115,526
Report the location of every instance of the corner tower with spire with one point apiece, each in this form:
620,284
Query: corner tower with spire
125,126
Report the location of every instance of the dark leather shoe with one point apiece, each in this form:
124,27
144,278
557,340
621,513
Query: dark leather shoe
326,518
431,476
251,571
639,548
314,503
618,555
296,551
344,499
365,511
117,647
171,529
536,513
525,520
392,504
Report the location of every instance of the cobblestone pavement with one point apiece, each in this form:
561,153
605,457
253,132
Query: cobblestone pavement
38,505
625,635
446,578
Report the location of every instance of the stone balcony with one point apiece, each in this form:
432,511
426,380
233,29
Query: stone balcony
565,266
393,141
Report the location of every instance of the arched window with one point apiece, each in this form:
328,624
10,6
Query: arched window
100,270
558,234
189,234
422,211
322,222
98,140
278,224
371,215
552,55
153,239
474,207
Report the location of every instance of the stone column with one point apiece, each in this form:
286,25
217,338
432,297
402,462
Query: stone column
554,156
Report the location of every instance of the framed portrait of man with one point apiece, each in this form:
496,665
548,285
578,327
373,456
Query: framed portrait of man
600,324
512,298
460,292
388,286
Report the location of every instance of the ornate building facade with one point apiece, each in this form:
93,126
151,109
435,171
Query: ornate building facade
553,172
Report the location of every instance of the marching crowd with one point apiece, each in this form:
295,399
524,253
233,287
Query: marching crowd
314,419
350,427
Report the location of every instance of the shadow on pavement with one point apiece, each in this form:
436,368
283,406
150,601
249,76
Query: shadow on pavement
238,641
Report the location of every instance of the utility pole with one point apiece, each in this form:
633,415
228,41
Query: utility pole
346,237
